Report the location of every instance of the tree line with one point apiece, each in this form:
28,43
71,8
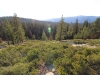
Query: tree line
16,30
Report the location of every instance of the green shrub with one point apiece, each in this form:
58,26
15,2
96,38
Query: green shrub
68,60
32,54
94,42
79,41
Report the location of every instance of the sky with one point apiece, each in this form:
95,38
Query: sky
47,9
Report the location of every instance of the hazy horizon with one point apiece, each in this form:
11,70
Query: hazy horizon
47,9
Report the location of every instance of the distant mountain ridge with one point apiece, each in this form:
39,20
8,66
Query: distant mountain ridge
72,19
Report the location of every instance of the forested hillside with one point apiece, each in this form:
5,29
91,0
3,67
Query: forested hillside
61,30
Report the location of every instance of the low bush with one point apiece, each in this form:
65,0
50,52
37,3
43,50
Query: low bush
94,42
68,60
79,42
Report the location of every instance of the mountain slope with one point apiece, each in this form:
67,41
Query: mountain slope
81,19
25,20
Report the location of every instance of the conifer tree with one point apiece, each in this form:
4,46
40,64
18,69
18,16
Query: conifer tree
85,23
61,30
75,29
70,31
21,33
85,32
8,31
95,31
44,37
33,36
30,34
18,30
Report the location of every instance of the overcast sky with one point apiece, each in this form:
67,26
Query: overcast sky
46,9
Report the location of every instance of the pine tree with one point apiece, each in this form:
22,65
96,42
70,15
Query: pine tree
75,29
70,31
19,34
44,37
1,29
8,31
61,30
95,31
85,23
33,36
85,32
30,34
